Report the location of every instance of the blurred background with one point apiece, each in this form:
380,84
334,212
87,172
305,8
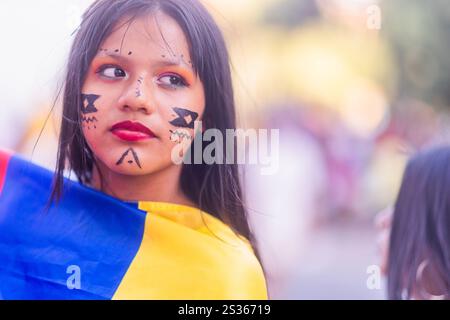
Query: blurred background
354,86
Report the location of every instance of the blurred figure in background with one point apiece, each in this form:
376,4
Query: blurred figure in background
417,262
283,206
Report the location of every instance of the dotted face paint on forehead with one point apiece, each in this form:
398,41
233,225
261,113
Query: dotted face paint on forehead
179,59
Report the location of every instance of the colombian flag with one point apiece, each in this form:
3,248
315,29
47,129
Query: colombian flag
93,246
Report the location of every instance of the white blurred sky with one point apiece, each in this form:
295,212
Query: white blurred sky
36,36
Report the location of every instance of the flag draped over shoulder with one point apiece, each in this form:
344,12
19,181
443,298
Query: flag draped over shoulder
93,246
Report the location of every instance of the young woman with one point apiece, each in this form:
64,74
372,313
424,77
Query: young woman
141,76
418,264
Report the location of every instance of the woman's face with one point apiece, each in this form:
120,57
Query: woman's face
141,96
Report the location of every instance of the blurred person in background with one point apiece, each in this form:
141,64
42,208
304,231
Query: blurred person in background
284,220
415,235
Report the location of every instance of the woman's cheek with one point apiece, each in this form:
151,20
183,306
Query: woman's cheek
89,110
182,123
92,118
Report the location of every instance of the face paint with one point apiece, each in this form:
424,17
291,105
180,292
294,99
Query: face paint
88,107
183,138
179,135
141,56
138,89
186,118
129,158
89,121
88,103
180,58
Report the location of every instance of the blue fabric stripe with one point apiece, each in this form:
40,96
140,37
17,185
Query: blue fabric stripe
89,230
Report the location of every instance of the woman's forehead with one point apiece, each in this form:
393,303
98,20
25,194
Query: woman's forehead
156,34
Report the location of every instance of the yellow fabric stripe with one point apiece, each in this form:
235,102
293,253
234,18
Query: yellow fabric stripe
182,258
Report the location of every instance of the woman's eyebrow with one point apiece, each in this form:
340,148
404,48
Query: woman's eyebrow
114,56
171,63
157,63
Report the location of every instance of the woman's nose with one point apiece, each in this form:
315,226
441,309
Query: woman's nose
138,96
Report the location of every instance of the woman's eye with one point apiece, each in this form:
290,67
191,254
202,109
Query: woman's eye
172,81
112,72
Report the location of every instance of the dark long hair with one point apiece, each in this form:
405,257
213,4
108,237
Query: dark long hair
214,188
421,223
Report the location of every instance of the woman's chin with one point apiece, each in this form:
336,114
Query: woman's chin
131,168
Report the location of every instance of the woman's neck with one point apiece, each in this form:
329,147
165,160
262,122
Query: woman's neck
151,187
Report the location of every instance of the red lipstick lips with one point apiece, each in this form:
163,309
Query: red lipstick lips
131,131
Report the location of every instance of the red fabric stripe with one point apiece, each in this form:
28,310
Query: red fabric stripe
4,160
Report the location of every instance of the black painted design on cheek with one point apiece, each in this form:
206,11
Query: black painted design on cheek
129,158
88,101
186,118
179,136
89,121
